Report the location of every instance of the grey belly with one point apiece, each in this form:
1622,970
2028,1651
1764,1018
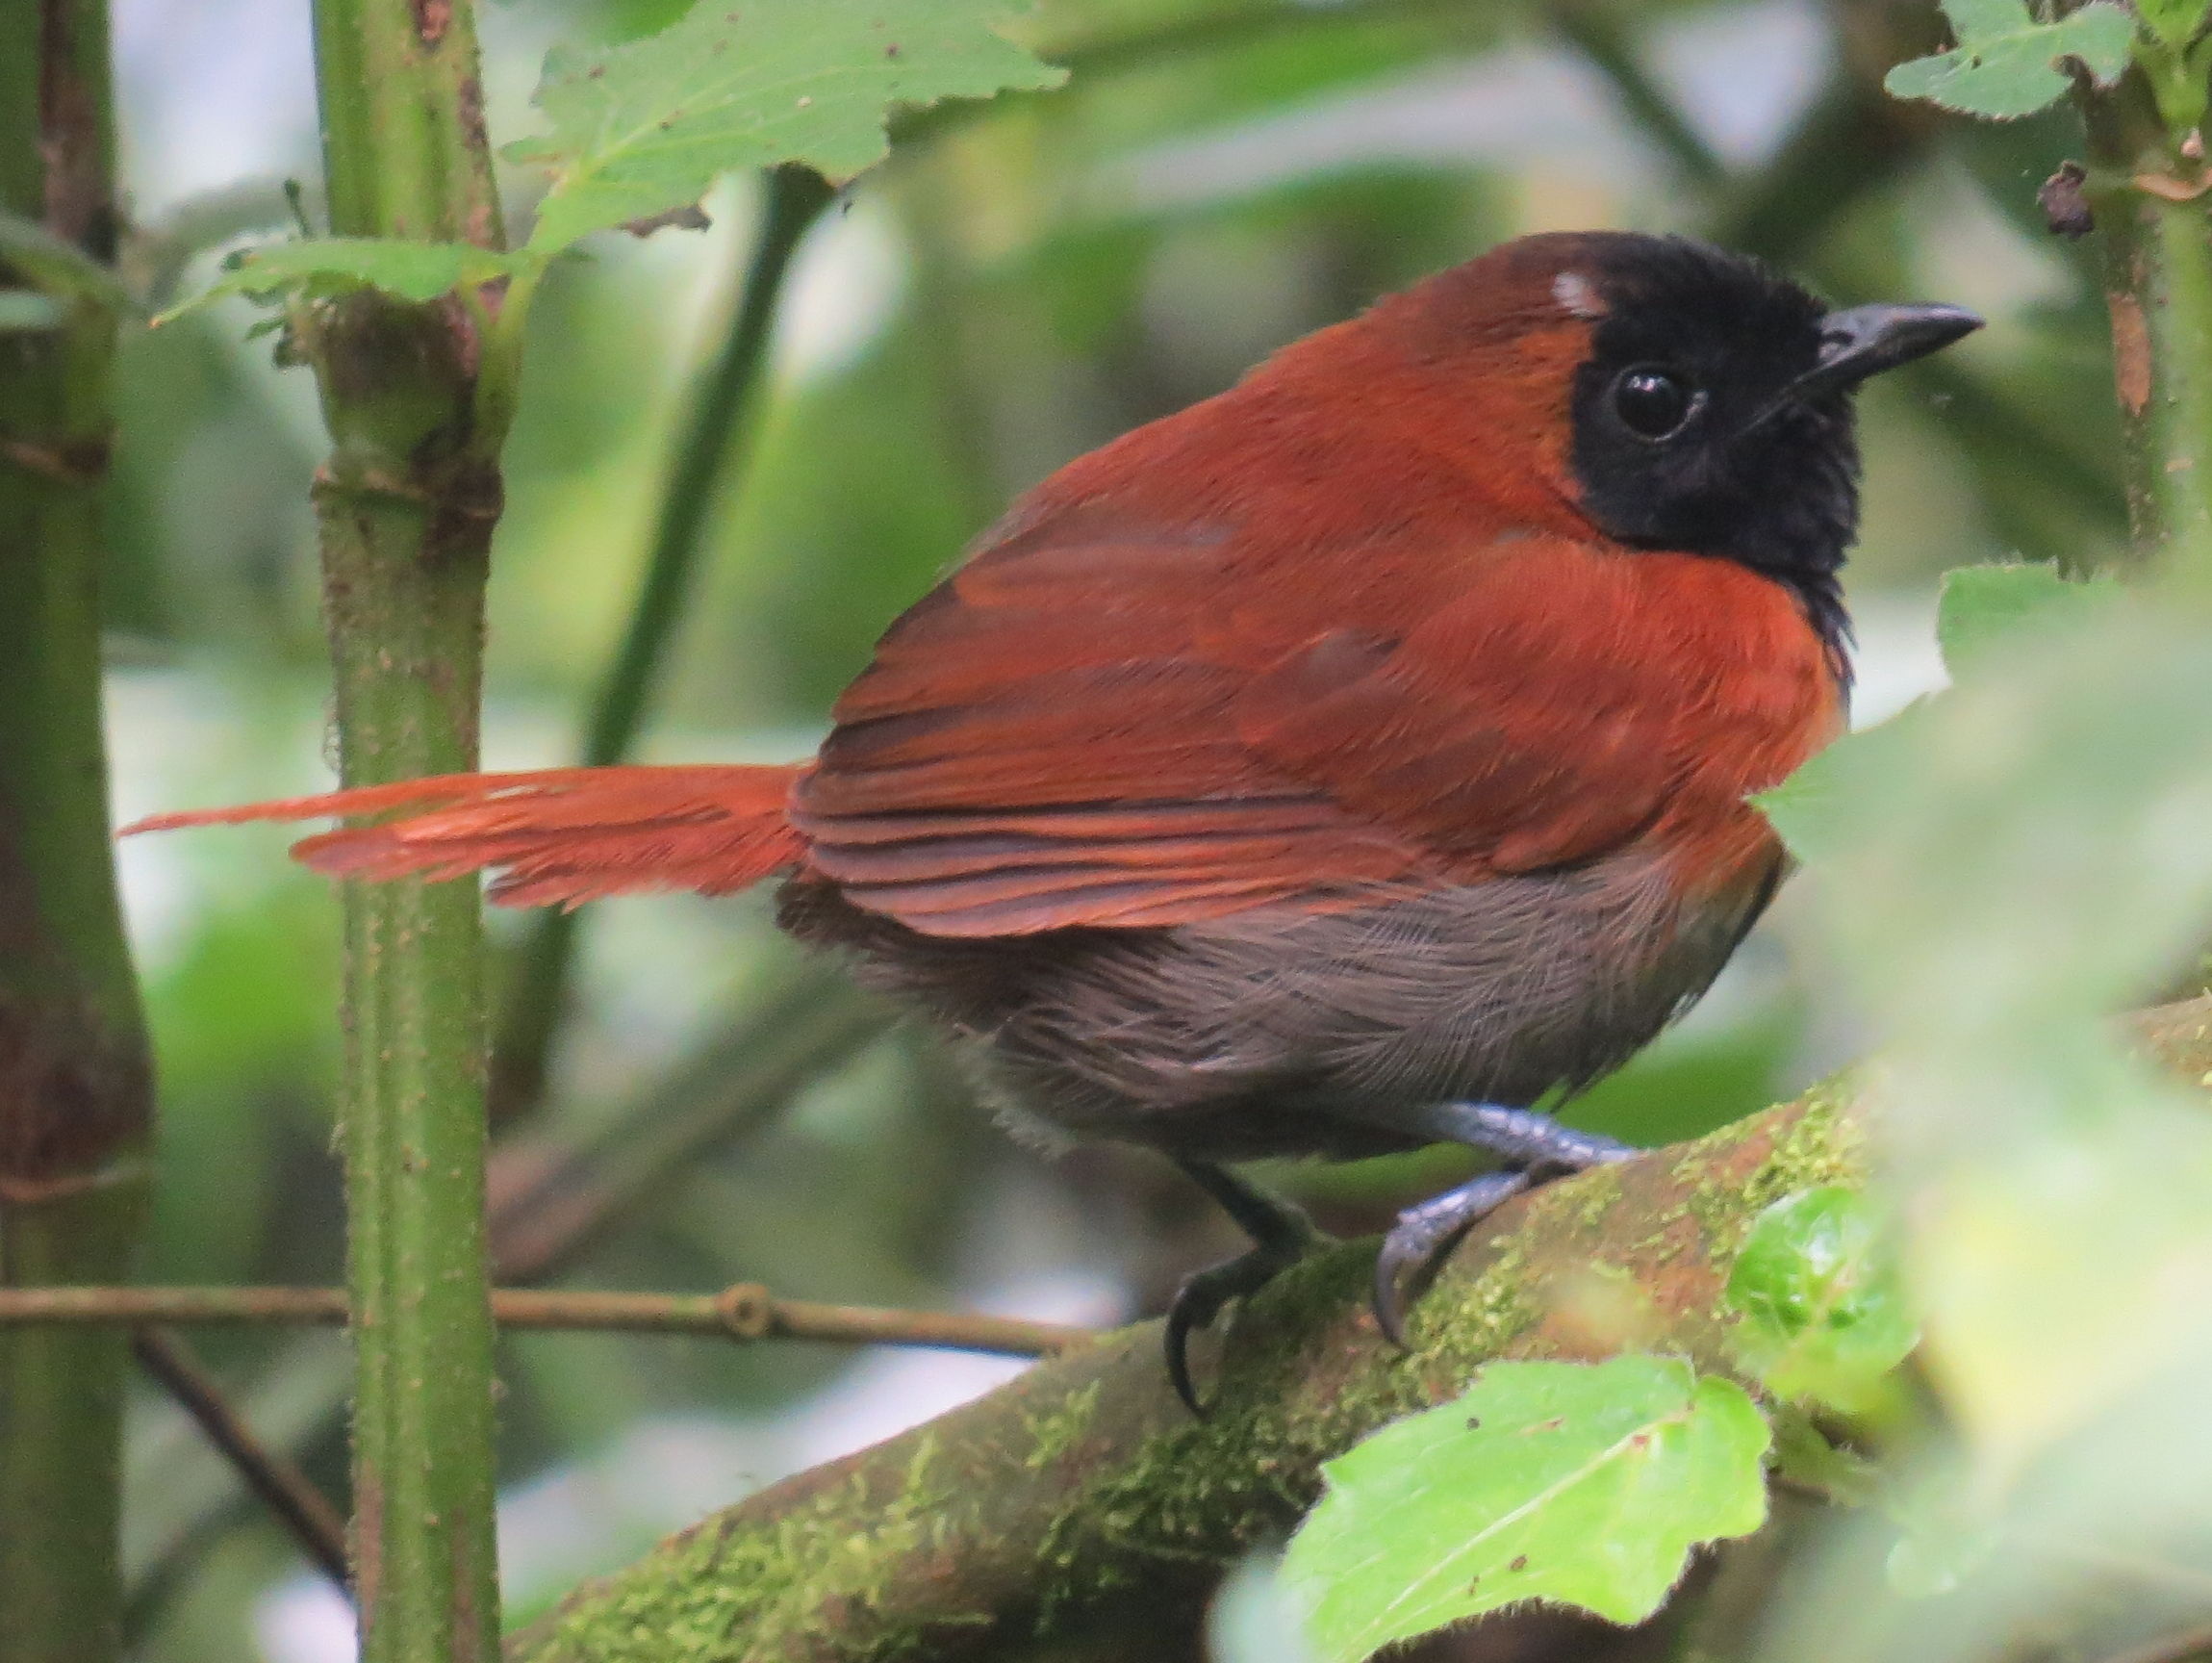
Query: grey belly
1283,1033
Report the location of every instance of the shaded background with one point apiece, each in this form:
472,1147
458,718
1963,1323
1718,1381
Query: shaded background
1024,281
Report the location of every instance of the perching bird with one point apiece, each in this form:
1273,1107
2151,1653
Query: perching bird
1350,762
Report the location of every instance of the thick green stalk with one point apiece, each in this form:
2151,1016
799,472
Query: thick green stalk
75,1091
2158,285
706,454
405,509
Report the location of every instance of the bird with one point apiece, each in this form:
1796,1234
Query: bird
1353,762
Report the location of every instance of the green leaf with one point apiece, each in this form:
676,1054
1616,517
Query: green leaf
1823,1314
2024,859
2176,22
2007,64
327,264
1580,1484
1983,605
1812,810
57,267
1803,1456
644,128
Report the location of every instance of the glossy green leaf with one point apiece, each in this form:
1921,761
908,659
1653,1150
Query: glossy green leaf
1583,1485
1983,605
324,265
2007,64
1821,1312
642,129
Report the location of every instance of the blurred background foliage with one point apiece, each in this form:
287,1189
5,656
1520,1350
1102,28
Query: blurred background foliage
1023,281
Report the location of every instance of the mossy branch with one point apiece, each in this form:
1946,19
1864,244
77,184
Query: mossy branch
1084,1489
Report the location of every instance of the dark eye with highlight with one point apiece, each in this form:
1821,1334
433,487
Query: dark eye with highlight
1654,403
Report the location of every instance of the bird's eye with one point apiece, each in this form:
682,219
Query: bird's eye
1653,403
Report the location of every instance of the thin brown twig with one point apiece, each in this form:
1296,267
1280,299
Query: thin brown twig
288,1492
548,1204
745,1310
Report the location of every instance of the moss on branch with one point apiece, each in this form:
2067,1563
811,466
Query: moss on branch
1083,1490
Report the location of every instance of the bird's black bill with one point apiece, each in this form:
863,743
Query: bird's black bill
1865,341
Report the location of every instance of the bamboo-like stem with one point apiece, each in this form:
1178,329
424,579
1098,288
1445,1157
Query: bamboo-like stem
75,1091
745,1310
405,508
709,448
2158,287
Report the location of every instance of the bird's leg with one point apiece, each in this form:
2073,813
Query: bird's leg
1281,1236
1535,1148
1526,1137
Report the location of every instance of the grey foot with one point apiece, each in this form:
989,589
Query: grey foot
1535,1147
1424,1233
1524,1137
1281,1233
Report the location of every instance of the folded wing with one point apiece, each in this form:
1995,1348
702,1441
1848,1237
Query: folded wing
1124,728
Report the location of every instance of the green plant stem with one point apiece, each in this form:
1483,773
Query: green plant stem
75,1087
2158,288
711,446
405,508
404,151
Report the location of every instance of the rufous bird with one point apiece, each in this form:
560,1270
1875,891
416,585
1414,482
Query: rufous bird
1350,762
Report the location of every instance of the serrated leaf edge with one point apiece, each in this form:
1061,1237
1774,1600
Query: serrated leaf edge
1939,67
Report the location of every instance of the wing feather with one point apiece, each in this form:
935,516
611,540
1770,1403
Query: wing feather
1098,726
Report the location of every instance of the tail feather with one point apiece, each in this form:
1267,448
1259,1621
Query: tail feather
559,836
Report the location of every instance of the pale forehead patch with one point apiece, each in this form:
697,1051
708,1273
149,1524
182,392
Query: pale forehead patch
1574,294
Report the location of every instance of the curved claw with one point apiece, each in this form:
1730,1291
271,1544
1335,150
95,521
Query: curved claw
1193,1309
1201,1300
1423,1235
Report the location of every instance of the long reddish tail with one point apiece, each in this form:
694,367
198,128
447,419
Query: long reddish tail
558,836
